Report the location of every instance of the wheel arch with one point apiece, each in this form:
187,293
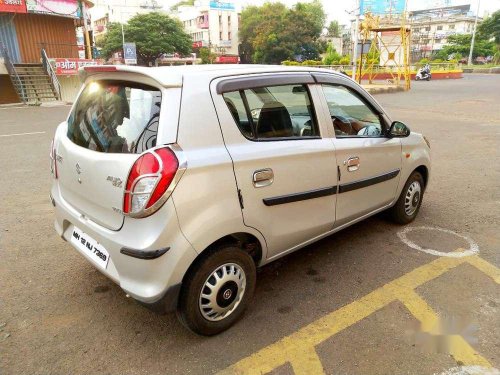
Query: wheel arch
243,240
424,171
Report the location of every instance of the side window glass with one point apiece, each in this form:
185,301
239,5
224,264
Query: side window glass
273,112
237,108
350,115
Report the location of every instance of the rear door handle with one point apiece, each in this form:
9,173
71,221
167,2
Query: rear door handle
263,177
352,163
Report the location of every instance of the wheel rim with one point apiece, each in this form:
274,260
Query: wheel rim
222,292
412,198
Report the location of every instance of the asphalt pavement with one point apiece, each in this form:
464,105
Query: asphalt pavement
370,299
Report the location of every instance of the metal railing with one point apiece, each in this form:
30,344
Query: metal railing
14,77
50,71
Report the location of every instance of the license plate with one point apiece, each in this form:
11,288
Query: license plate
91,247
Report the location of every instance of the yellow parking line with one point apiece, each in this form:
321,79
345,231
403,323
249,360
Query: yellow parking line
458,347
298,349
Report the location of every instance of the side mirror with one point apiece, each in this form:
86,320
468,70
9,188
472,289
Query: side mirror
399,130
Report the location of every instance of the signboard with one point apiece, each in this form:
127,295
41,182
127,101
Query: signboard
219,5
381,6
130,53
71,66
13,6
224,43
363,48
227,59
62,8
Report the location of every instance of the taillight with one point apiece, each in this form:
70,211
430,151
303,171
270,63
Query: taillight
148,182
53,160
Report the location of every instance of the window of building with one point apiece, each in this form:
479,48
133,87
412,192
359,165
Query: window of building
273,112
451,27
440,27
229,35
428,28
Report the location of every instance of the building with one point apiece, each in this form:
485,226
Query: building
105,11
40,39
214,25
431,28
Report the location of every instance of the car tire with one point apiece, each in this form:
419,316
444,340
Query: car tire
408,204
228,294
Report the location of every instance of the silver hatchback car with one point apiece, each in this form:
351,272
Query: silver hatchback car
178,182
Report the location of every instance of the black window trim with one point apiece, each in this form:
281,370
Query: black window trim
275,139
253,82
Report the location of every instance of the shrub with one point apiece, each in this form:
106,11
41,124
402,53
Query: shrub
289,63
346,60
311,62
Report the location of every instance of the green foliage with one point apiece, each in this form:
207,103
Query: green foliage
181,3
460,43
207,56
436,61
290,63
332,56
346,60
272,33
153,33
423,61
334,29
311,62
490,27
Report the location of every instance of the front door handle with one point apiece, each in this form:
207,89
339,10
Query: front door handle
263,177
352,163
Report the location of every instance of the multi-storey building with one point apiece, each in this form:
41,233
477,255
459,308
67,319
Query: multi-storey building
431,28
213,24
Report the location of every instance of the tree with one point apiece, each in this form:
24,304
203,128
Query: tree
490,27
332,57
272,33
460,43
181,3
334,29
207,56
153,33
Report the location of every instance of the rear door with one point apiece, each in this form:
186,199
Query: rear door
369,162
111,122
285,171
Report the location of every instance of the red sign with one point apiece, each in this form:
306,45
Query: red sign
13,6
198,44
71,66
227,59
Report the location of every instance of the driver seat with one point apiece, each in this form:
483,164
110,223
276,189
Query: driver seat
274,121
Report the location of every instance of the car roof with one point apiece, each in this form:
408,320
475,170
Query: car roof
172,76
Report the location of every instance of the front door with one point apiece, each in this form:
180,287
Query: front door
285,171
368,161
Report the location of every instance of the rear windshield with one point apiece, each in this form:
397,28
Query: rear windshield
116,117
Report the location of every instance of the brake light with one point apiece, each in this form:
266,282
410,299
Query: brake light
148,182
102,68
53,160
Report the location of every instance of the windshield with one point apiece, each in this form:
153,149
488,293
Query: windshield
116,117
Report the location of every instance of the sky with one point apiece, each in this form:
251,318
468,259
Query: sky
337,9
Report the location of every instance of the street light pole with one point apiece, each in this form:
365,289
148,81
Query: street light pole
473,34
354,49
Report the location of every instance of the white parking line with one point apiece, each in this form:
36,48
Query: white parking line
16,134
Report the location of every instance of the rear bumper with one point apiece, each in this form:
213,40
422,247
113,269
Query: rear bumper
152,280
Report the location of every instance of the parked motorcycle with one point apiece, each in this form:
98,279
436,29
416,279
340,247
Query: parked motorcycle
424,73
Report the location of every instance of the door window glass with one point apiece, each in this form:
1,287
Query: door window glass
273,112
350,115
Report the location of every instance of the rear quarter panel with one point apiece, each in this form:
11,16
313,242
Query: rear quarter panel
206,198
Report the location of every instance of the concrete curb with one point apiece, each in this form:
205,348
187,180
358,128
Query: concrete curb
373,90
494,70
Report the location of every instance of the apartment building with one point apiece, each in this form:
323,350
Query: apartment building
213,24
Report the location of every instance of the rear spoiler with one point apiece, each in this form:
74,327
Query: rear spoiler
161,75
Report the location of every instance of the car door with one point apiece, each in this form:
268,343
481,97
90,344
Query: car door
369,162
285,170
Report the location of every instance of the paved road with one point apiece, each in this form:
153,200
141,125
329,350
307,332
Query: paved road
358,302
